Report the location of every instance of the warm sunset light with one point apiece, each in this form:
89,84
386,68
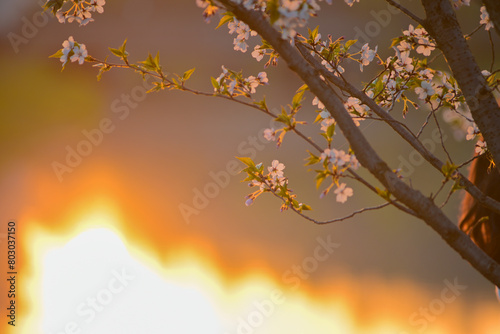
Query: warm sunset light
249,167
94,280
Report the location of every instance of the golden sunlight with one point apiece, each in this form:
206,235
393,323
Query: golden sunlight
93,279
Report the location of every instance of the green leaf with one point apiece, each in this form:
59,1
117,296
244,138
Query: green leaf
313,34
320,177
117,52
395,41
330,131
53,5
385,194
318,118
350,43
228,17
305,207
58,54
151,63
312,159
122,48
262,104
187,74
448,169
247,161
215,83
456,186
156,61
297,99
103,69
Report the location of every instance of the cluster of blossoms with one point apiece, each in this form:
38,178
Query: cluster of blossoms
419,38
73,51
260,51
243,33
80,11
294,14
485,19
233,84
210,9
340,161
404,72
358,111
273,181
472,132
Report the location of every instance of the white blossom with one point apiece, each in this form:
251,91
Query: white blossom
424,90
343,193
485,19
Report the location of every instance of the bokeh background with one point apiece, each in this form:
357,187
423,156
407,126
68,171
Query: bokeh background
169,145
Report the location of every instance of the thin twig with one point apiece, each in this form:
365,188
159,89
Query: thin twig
406,11
441,135
425,123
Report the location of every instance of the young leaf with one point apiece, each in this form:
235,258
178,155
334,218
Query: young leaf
187,74
247,161
58,54
228,17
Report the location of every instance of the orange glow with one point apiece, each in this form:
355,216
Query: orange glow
255,303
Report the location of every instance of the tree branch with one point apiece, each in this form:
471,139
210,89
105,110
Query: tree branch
400,129
368,158
406,11
442,24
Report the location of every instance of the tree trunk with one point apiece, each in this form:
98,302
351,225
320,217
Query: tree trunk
441,22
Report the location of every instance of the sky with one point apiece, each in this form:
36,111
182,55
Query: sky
119,209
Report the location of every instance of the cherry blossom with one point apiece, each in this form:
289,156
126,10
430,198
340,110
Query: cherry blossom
425,90
210,9
471,132
485,19
325,114
96,6
317,102
343,193
243,33
425,47
79,11
270,134
367,56
276,169
480,147
258,53
80,54
325,124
